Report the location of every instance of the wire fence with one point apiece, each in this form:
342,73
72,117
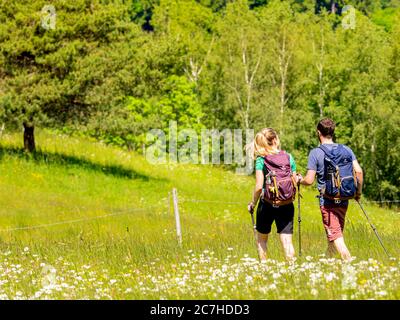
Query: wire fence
39,226
134,210
210,201
315,201
383,201
303,201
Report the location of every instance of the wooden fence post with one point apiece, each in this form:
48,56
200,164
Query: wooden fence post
177,219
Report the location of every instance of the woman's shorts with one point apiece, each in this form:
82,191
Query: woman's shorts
267,214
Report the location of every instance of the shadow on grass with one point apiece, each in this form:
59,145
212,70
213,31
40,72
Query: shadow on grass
69,160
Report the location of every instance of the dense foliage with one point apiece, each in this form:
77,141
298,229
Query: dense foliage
115,69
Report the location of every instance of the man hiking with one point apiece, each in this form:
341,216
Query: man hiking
274,191
339,178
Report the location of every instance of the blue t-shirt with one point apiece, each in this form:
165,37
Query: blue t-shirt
316,163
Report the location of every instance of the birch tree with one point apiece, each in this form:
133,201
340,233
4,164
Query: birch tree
241,45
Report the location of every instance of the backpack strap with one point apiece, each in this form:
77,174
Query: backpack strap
265,166
284,152
335,179
281,152
325,150
265,172
328,152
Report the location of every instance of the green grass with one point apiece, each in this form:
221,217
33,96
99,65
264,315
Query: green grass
76,179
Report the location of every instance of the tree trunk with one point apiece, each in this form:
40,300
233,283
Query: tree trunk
333,7
29,137
321,92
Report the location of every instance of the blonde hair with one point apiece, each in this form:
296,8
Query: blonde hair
266,142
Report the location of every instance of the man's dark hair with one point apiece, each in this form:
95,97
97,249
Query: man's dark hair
326,127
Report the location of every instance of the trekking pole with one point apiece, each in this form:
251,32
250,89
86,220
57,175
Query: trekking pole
373,228
254,230
299,216
254,227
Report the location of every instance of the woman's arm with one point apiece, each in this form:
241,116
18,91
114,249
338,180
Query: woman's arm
257,189
259,185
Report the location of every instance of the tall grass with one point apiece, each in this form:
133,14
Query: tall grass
72,179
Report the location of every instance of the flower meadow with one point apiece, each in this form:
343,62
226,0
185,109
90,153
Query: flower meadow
81,220
26,275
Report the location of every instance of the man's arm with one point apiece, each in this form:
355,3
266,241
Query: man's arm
308,180
360,178
312,166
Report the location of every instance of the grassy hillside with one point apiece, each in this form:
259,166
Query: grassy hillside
82,220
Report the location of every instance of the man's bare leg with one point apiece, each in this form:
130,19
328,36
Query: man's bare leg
331,250
342,249
286,240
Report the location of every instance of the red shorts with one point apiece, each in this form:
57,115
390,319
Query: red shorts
333,219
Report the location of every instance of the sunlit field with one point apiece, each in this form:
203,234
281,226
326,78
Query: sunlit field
81,220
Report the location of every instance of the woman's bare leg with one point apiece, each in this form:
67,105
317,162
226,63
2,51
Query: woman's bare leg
262,245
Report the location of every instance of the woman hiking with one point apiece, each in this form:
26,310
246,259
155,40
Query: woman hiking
275,190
